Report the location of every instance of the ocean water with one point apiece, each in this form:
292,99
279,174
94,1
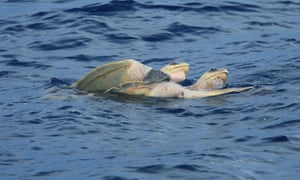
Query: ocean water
48,131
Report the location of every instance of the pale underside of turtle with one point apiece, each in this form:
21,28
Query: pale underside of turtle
170,89
133,78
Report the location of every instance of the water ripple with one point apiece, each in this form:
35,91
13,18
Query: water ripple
276,139
114,178
108,9
47,173
172,111
180,29
33,64
40,26
158,37
284,124
117,6
14,29
66,43
6,73
202,8
160,168
87,58
258,23
157,168
120,37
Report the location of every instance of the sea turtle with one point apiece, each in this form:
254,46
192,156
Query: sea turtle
209,84
113,74
133,78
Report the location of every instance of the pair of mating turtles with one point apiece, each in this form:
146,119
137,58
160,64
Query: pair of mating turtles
133,78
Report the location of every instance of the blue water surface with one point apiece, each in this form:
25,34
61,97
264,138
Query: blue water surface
49,131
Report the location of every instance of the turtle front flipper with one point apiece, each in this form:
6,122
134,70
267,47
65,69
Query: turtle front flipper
208,93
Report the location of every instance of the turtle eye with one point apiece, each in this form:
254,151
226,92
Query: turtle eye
213,69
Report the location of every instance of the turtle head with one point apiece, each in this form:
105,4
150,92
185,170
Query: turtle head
177,71
212,79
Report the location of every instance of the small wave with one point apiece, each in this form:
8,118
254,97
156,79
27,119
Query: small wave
32,121
282,106
106,9
239,7
18,1
57,82
68,43
120,37
157,60
181,112
3,50
157,37
14,29
40,15
161,168
167,7
153,169
114,178
40,26
191,167
288,2
47,16
268,78
201,8
245,139
47,173
201,155
180,29
87,58
170,110
291,40
41,21
37,148
116,6
91,26
12,26
284,124
276,139
33,64
5,22
6,73
266,24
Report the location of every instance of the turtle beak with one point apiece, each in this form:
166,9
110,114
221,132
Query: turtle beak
221,73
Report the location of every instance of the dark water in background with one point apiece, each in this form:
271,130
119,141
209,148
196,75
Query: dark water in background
49,132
